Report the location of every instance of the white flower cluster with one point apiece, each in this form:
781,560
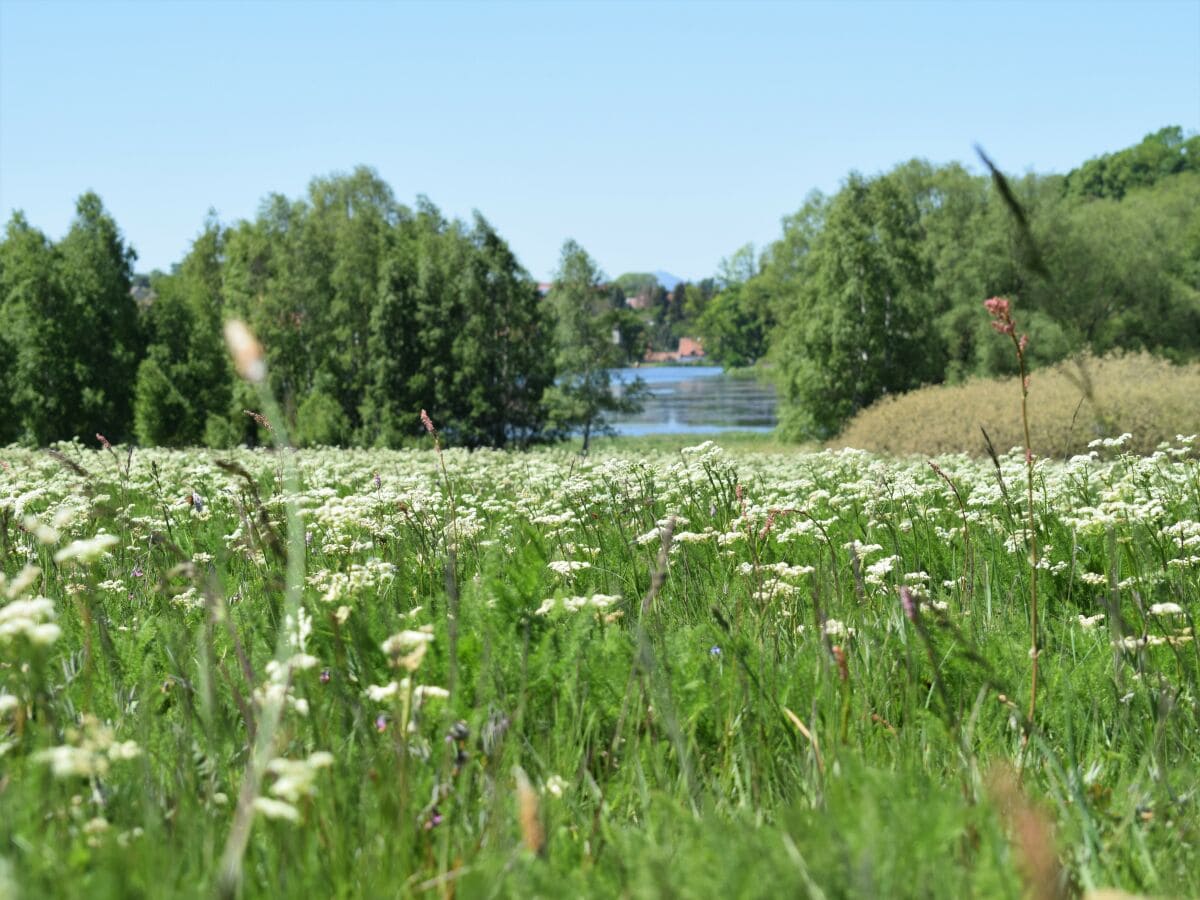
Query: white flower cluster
565,567
406,649
357,579
31,618
574,604
88,550
295,780
92,748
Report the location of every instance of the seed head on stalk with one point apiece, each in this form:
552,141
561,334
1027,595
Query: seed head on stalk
1000,309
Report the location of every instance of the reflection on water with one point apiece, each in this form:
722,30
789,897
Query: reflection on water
696,399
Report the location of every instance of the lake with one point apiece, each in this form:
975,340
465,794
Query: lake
696,400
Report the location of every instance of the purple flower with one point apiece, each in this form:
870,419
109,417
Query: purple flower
715,652
137,572
909,603
325,676
378,481
381,723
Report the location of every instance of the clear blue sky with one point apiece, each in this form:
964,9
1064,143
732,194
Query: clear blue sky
658,135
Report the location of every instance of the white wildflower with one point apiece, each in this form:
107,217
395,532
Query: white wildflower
88,550
555,785
565,567
294,778
837,628
276,809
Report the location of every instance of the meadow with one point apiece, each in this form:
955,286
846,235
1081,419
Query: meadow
666,672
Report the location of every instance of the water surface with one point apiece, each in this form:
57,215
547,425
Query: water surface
696,400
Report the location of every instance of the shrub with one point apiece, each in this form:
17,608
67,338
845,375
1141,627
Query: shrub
1071,404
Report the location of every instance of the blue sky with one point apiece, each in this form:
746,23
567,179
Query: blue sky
658,135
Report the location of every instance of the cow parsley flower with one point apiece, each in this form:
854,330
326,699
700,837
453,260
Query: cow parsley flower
87,550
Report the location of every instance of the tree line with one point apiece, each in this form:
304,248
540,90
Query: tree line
369,311
877,289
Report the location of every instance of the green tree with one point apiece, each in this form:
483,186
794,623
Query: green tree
95,272
185,380
631,333
72,326
392,399
735,325
10,425
349,225
502,354
1123,272
41,376
458,330
861,326
1164,153
583,394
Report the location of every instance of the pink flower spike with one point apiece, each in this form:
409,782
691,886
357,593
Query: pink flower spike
908,603
427,422
998,307
1023,342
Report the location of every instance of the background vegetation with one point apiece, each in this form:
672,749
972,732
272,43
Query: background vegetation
371,310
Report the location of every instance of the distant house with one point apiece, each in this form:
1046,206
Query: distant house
689,350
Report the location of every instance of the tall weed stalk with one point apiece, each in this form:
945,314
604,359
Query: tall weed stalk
1000,310
250,363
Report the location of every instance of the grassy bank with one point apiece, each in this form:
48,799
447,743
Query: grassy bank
1071,404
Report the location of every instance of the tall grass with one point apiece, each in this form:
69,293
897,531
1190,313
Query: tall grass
769,723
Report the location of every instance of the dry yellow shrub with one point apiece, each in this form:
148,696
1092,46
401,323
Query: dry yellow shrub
1069,404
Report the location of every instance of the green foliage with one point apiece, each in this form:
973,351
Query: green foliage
162,415
96,268
632,331
1124,273
71,326
458,331
1164,153
736,324
368,313
185,378
585,350
10,424
380,310
907,258
637,284
862,324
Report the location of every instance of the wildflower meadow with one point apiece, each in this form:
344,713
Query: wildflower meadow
710,673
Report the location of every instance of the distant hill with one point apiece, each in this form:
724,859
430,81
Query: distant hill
667,280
